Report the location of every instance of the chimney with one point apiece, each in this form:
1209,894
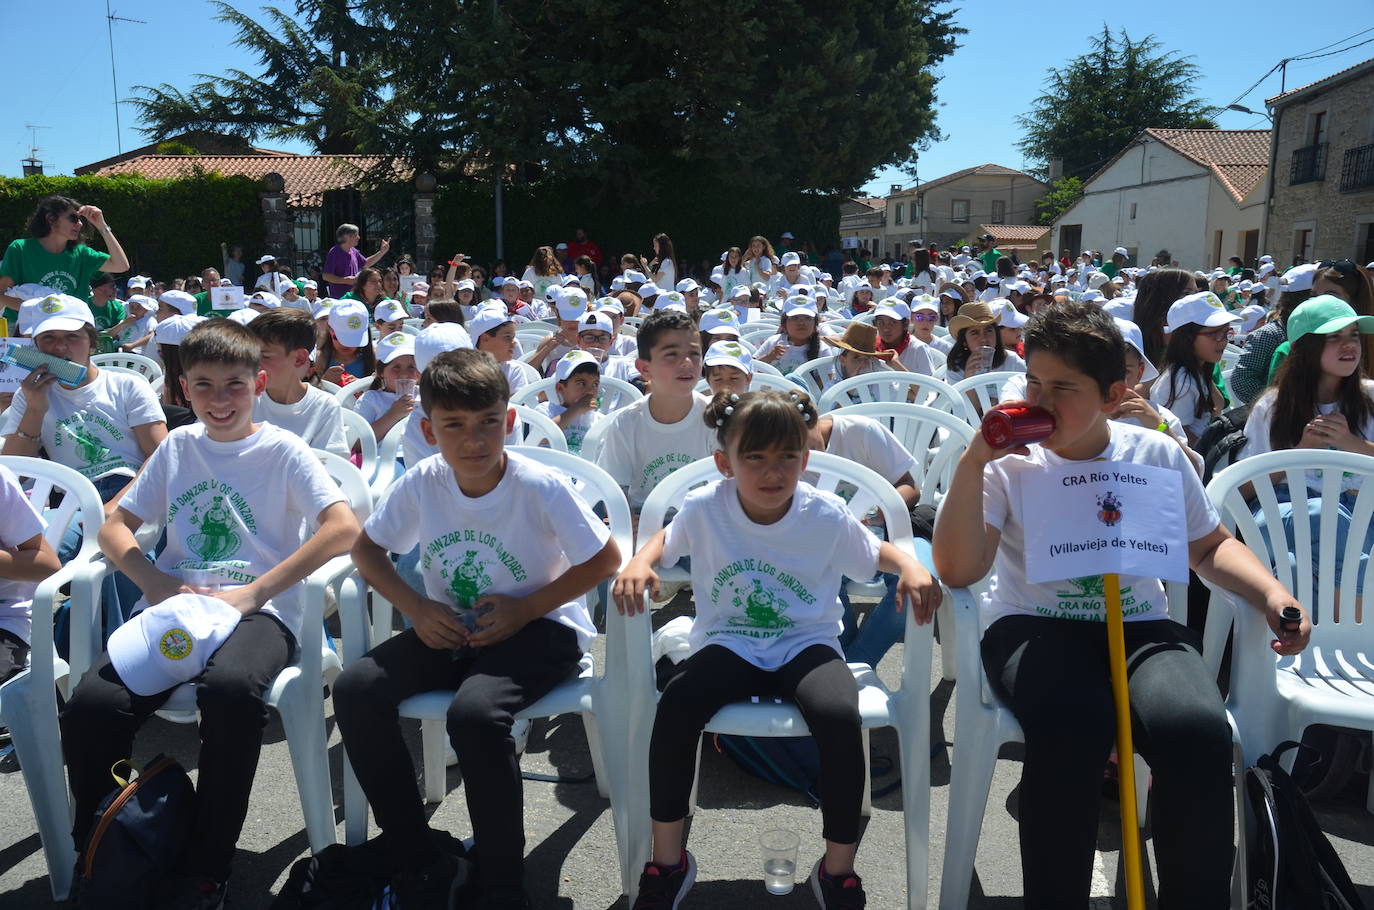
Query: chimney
33,167
894,189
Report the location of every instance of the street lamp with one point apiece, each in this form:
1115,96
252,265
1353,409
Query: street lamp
1245,110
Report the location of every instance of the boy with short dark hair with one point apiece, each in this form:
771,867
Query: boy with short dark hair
665,430
236,497
287,337
1043,644
508,550
573,408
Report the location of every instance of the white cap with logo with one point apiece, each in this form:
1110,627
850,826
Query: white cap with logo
171,643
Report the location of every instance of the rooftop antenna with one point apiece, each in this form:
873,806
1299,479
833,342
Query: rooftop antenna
110,20
32,165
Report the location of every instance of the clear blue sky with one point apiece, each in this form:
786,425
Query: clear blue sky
990,79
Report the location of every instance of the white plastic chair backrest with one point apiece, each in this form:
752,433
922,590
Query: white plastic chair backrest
357,431
935,438
941,331
594,440
891,386
761,380
535,330
757,331
145,365
408,329
329,387
986,387
617,391
539,430
760,367
41,478
350,481
814,374
348,396
635,321
127,371
1329,469
866,317
629,331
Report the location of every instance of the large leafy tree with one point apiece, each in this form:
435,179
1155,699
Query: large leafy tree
789,93
1096,103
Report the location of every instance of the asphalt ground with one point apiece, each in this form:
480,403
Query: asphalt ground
571,845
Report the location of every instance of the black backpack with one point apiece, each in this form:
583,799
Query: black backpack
1291,865
139,833
1223,438
341,877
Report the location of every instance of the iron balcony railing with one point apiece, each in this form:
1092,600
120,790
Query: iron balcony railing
1357,169
1309,164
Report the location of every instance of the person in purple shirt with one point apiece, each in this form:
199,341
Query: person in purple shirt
345,260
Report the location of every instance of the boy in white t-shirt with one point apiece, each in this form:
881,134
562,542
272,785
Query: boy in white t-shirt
1044,644
573,406
663,431
25,560
508,551
135,334
236,498
288,401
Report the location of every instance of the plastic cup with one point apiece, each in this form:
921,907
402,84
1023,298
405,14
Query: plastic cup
203,581
406,387
983,355
779,859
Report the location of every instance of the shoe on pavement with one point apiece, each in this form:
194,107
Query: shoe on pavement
840,892
431,886
197,894
663,889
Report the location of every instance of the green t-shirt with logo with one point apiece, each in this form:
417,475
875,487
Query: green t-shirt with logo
989,260
68,272
111,314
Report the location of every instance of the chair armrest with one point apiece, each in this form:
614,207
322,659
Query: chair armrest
1252,660
84,574
317,583
968,658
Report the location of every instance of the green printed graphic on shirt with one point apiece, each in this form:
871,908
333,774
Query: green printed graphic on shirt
463,558
654,472
574,437
760,594
89,436
218,512
1086,599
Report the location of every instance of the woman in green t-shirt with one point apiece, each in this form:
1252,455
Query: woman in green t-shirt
54,256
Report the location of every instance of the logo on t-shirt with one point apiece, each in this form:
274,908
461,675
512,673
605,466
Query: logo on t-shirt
216,538
218,513
1109,509
762,609
1086,599
467,580
88,445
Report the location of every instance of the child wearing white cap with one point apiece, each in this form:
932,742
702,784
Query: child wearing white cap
395,388
729,367
798,340
388,317
925,316
137,335
346,353
892,319
235,498
493,330
1201,327
623,345
31,559
574,404
430,343
288,401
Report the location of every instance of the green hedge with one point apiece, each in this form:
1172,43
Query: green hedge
702,217
168,228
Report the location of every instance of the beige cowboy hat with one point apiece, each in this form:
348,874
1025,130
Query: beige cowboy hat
859,338
970,315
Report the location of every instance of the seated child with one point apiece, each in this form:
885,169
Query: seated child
1044,645
393,391
288,401
389,316
573,406
509,549
753,635
236,497
26,558
729,367
345,353
430,343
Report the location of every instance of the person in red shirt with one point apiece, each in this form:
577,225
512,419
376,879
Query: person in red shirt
581,246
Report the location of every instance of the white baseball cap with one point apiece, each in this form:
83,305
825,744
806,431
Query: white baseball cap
137,281
467,284
790,259
389,311
610,305
670,299
740,292
320,306
438,338
309,284
1266,259
1131,334
1120,251
1250,316
649,289
571,361
799,306
265,258
893,309
928,303
174,328
1203,308
731,354
61,313
1011,317
633,275
264,298
787,235
721,321
171,643
488,318
593,321
1299,277
687,286
571,304
243,315
180,301
393,345
143,301
348,322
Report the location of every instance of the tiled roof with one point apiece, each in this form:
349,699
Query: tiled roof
306,177
982,170
1014,231
877,203
1339,74
1238,158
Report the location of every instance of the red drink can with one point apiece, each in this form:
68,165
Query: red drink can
1017,425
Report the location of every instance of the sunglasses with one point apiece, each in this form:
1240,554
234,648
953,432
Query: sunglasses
74,218
1344,266
925,316
1223,332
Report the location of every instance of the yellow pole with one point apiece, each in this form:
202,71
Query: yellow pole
1125,751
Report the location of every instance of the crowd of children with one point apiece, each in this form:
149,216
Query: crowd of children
489,555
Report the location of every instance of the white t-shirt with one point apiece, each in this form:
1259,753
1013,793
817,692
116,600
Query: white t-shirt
915,357
577,429
136,330
1261,420
1080,598
19,521
238,508
666,277
373,403
414,447
541,283
1012,363
315,418
768,592
514,540
90,428
625,346
752,274
794,355
729,280
939,347
639,451
1185,404
867,442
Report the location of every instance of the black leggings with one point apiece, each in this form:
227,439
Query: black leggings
819,682
99,723
493,684
1055,677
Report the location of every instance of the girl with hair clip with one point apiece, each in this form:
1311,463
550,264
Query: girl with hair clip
1200,327
798,340
977,346
760,262
753,635
662,269
543,272
1319,401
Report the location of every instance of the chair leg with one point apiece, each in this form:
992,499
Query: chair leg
944,621
1142,789
302,714
589,724
355,806
915,764
975,758
433,739
33,730
866,807
1240,876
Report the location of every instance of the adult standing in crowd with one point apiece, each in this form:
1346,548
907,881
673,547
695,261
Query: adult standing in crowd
990,253
234,266
582,246
345,260
53,254
662,269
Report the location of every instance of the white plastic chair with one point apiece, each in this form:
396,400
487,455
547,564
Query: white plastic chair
760,380
891,386
982,725
28,700
815,375
330,387
628,330
358,432
539,430
907,709
757,331
146,366
978,393
634,321
128,371
616,707
535,331
1276,698
617,392
348,395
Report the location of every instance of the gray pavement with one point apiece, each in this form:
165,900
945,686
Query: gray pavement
571,845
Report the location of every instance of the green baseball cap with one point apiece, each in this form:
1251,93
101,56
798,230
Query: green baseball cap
1324,315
